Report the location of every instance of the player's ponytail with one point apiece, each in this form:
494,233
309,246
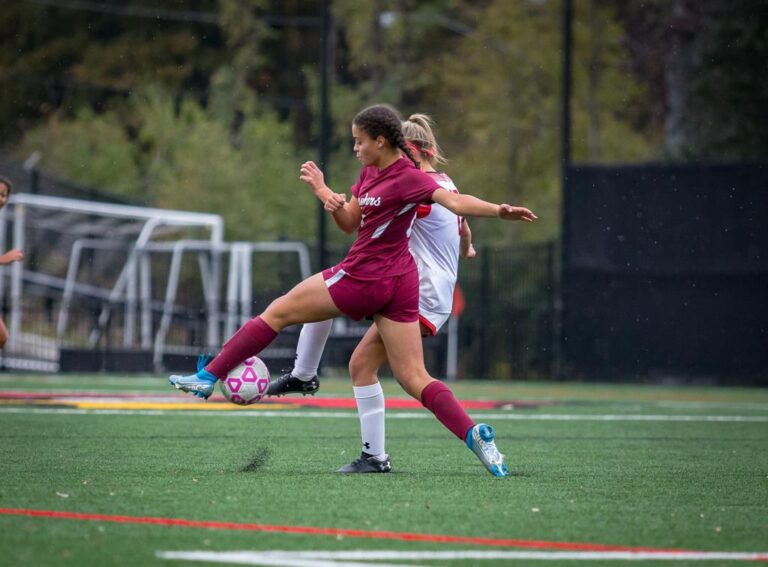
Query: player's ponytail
418,130
383,120
400,143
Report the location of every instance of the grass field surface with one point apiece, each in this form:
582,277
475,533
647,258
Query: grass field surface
101,470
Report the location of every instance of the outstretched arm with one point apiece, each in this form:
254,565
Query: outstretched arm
346,215
469,206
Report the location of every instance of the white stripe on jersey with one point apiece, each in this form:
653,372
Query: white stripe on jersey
335,278
379,231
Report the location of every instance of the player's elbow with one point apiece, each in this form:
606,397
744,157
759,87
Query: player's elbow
351,225
344,225
454,204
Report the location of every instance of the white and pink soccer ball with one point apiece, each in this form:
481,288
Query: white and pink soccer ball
247,383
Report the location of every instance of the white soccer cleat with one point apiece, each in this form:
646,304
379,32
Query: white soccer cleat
480,441
193,384
199,384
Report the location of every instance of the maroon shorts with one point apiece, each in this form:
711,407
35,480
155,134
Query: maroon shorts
394,297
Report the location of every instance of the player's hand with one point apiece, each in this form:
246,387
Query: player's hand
508,212
14,255
468,252
312,175
335,202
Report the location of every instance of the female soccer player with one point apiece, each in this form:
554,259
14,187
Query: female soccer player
378,277
438,238
11,256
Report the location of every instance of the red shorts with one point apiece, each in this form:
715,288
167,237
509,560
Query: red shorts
394,297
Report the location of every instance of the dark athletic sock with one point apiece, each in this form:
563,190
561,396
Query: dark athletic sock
249,340
438,398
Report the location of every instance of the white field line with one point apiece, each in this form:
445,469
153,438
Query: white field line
759,406
354,558
283,559
395,414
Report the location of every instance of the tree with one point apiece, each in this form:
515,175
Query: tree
89,148
193,163
702,63
186,156
59,59
729,93
502,92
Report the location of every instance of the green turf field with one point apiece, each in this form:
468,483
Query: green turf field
625,466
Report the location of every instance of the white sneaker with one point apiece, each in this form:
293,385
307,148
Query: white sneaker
480,441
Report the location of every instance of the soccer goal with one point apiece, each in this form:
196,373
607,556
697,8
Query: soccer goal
106,278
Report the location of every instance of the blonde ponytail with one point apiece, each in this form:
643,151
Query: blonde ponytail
417,129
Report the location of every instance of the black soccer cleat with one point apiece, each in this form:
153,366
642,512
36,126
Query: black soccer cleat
288,384
367,464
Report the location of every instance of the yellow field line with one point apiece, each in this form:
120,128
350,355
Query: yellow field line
125,405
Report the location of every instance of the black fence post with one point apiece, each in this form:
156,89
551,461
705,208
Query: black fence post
326,54
34,181
485,293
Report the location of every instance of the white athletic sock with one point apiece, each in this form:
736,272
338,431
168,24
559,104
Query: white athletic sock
312,341
370,408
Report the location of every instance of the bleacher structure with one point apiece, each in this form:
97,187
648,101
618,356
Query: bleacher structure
110,285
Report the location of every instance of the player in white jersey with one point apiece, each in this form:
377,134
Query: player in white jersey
437,239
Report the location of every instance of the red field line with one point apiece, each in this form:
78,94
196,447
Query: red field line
36,395
327,403
309,530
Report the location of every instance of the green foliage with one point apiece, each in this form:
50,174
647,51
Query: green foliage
133,59
245,32
91,149
213,115
59,60
189,157
344,167
491,76
504,141
391,46
196,161
728,102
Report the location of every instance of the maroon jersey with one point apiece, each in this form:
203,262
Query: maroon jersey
388,200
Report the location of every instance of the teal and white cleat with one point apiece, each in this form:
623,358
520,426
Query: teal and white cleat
200,384
480,441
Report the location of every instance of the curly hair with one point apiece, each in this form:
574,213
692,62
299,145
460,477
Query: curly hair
383,120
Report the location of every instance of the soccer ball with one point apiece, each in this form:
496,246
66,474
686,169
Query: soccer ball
247,383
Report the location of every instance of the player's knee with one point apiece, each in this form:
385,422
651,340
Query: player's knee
412,380
357,367
276,316
412,387
363,369
3,338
